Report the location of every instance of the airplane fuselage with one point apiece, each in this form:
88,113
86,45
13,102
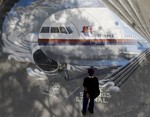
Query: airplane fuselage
84,34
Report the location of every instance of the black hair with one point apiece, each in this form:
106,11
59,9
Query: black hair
90,71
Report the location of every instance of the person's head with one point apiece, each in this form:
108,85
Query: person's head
90,71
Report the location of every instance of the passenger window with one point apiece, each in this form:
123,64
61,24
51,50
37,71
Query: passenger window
63,30
69,30
54,30
45,30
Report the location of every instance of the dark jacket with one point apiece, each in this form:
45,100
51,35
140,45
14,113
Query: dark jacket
92,86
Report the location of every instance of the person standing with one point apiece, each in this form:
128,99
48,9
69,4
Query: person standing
91,91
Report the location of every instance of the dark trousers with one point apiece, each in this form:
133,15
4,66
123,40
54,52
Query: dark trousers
85,103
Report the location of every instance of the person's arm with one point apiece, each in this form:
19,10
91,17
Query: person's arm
87,94
97,83
85,88
84,82
85,85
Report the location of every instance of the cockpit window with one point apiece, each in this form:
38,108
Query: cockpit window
54,30
69,30
45,30
63,30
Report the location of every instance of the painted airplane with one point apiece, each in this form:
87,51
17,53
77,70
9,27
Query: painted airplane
81,36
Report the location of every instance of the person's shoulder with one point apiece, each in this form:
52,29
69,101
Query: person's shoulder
86,77
95,77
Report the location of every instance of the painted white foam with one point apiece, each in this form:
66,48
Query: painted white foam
109,86
37,74
113,89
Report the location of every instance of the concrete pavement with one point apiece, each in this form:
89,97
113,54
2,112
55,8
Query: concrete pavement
23,96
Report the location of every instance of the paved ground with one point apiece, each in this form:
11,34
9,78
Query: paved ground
23,96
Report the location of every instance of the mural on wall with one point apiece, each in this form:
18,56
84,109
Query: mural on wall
69,36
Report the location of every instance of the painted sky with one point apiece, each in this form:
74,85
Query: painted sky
64,3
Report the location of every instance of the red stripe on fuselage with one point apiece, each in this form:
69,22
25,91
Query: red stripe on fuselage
86,40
